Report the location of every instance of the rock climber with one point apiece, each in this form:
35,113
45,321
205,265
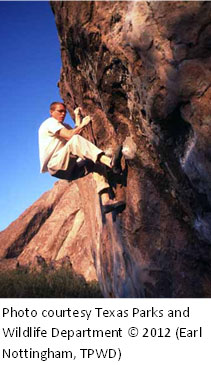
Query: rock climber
62,149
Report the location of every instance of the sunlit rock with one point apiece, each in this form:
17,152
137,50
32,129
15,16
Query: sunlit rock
142,70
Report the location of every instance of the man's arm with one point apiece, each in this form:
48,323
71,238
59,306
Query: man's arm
69,133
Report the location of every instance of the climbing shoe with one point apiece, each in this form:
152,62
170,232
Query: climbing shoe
112,205
116,161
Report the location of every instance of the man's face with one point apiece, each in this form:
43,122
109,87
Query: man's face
58,113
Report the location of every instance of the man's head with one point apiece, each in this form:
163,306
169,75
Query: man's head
58,111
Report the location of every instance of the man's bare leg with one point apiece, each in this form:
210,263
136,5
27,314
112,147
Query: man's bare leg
114,162
105,160
103,189
108,205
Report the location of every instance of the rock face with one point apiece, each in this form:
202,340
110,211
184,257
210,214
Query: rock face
142,70
53,229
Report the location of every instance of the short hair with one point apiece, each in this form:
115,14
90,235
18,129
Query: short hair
55,103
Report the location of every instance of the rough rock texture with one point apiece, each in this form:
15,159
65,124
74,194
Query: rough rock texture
53,229
142,70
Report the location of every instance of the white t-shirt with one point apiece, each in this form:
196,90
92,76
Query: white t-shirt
48,142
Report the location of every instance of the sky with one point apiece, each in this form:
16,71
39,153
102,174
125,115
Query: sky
30,66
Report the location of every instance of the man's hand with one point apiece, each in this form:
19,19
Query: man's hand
77,111
67,134
86,121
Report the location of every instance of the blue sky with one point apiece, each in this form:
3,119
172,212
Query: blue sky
29,71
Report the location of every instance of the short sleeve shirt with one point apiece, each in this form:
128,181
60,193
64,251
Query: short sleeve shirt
49,143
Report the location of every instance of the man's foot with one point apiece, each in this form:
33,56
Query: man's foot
112,205
116,161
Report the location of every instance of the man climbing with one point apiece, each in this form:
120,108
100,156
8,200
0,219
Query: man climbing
62,149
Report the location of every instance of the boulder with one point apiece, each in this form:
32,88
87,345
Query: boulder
142,71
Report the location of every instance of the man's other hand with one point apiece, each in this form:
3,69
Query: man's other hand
86,121
77,111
